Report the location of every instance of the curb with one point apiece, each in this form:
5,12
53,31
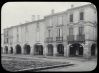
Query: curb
43,68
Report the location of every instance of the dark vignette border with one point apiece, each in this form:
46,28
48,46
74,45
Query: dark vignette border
95,2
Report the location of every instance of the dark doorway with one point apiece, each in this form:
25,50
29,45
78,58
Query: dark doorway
76,50
38,50
93,50
11,51
50,49
60,50
18,49
27,49
6,49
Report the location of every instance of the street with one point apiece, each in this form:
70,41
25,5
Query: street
79,64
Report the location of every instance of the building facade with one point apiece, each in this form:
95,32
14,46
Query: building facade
69,33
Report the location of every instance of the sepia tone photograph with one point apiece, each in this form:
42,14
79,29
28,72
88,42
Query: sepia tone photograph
49,36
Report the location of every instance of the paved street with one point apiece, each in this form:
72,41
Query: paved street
80,64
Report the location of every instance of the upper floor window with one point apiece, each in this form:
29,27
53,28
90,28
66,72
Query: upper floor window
49,32
70,31
50,21
81,29
71,17
37,26
81,15
5,40
59,32
60,20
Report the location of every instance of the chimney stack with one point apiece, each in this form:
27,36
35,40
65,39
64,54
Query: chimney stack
52,11
72,6
38,17
33,17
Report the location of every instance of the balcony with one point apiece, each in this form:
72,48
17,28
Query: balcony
49,39
80,38
70,38
60,39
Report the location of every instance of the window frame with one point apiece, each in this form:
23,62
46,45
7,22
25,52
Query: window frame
71,17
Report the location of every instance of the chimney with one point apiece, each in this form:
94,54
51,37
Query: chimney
52,11
33,17
72,6
38,17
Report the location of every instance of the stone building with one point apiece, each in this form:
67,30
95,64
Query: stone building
69,33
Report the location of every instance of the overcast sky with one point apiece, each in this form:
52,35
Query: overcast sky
15,13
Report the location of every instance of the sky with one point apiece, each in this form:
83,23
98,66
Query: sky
16,13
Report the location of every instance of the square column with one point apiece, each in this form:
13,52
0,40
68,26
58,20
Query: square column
54,50
8,49
87,52
22,50
65,51
32,51
45,50
14,50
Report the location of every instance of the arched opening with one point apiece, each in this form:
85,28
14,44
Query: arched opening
18,49
11,50
6,49
93,50
76,49
38,50
50,49
60,50
26,49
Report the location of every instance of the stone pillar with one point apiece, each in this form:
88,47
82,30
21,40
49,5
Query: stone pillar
54,50
22,50
87,52
8,49
14,50
96,52
45,50
65,50
32,51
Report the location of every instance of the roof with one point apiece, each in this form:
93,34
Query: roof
74,8
24,24
83,6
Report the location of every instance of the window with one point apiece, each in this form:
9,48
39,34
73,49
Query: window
50,21
57,21
37,26
59,32
4,40
7,40
60,20
70,31
81,29
49,32
81,16
71,17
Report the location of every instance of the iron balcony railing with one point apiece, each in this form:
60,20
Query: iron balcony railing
59,38
70,38
49,39
80,38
